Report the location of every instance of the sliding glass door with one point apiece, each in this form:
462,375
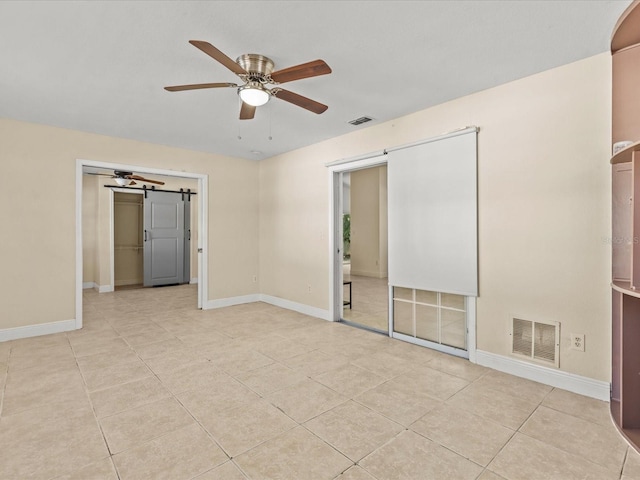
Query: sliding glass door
432,240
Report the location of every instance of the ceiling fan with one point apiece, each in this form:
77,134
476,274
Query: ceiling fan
256,71
123,178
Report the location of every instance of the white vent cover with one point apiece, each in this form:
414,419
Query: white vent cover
538,341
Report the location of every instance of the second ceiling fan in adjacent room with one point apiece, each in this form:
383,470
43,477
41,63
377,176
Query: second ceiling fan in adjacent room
124,179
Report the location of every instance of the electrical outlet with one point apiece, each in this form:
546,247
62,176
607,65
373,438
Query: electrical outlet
309,288
255,278
577,341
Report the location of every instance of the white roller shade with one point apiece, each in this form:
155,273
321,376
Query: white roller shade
433,232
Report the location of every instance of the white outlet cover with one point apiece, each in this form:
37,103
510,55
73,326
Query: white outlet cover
577,341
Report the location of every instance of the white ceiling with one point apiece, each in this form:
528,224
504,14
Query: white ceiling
101,66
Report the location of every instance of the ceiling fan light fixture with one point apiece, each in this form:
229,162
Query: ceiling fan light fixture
254,94
123,182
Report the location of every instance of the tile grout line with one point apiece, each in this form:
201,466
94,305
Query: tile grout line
517,430
624,461
229,457
88,394
172,395
95,417
209,435
560,448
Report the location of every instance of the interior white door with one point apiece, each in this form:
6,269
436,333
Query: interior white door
163,238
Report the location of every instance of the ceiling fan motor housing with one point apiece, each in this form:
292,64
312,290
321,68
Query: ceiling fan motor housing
258,66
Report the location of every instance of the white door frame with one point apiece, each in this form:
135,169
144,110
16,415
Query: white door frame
335,227
203,183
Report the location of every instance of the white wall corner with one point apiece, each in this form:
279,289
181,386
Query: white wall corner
296,307
105,288
549,376
230,301
37,330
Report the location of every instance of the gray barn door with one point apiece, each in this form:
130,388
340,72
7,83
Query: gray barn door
163,239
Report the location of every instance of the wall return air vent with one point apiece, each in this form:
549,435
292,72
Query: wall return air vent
538,341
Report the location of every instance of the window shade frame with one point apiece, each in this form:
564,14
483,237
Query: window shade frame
433,226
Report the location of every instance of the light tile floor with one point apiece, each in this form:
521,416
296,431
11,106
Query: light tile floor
370,302
152,388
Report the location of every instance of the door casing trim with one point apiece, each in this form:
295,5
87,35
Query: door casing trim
203,215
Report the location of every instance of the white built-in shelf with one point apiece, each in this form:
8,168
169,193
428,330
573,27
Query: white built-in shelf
625,288
626,154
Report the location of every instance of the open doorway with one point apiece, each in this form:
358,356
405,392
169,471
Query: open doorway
365,265
152,237
95,229
128,237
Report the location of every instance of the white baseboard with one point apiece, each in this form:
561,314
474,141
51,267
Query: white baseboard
549,376
231,301
276,301
296,307
131,281
365,273
37,330
86,285
194,280
105,288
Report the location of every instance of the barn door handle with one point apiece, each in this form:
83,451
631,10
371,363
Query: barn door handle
145,235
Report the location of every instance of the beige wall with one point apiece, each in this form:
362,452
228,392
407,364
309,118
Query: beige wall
38,232
544,206
293,240
89,228
369,222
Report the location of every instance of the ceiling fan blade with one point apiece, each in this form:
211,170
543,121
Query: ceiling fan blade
299,100
100,174
304,70
142,179
216,54
247,111
178,88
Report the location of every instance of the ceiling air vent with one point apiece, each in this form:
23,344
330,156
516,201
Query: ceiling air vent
360,121
538,341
